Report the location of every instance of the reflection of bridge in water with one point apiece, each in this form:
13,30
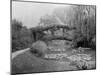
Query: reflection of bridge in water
52,32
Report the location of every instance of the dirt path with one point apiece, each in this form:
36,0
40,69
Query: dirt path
25,62
58,43
19,52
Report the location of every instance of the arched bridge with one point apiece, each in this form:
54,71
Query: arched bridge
52,32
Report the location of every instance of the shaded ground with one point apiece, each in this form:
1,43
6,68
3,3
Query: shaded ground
26,62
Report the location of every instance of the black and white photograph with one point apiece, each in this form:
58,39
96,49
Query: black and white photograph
52,37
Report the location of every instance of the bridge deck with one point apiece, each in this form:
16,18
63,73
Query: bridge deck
42,28
56,37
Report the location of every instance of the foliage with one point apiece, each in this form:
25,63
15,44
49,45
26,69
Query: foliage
21,36
83,18
47,20
86,25
39,48
82,61
83,65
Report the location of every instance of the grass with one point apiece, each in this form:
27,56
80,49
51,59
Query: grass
27,62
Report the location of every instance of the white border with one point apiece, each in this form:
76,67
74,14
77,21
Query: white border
5,37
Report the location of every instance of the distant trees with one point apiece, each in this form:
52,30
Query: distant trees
82,17
21,36
47,20
86,23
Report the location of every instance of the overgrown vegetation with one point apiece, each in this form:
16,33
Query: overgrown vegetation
82,61
21,36
83,18
78,53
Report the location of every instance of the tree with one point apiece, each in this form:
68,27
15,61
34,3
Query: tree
47,20
86,22
21,36
82,17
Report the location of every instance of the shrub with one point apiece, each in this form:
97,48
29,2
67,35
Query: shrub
82,61
39,48
21,36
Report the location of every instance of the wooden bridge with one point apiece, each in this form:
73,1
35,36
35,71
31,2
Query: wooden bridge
39,32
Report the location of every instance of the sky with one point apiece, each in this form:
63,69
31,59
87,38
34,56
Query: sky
29,13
